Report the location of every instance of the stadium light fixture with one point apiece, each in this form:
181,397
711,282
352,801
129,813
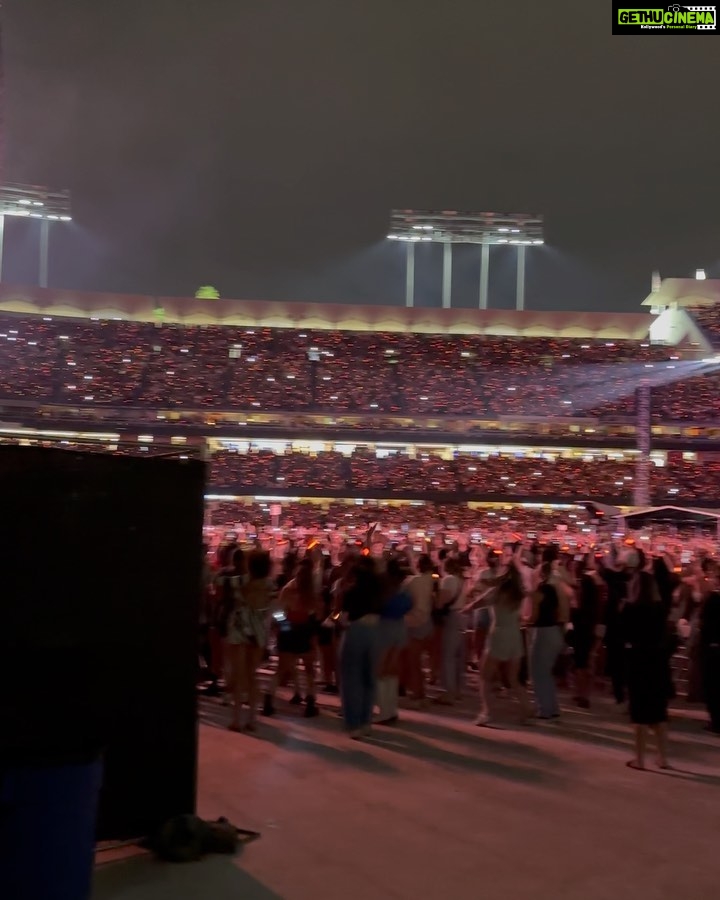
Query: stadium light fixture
35,202
700,275
450,227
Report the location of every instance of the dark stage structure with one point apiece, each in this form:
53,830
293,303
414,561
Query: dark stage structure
100,561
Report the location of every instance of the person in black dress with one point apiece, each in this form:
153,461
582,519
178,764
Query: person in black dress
710,656
585,617
644,629
615,574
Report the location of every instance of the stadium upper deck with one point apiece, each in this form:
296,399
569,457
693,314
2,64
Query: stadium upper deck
134,358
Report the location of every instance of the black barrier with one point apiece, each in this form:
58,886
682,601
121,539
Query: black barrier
100,570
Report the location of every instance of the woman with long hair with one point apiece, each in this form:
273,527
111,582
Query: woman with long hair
481,616
297,616
247,635
229,578
505,649
644,629
585,618
450,598
327,634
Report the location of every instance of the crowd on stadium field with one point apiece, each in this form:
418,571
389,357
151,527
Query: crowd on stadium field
108,362
402,626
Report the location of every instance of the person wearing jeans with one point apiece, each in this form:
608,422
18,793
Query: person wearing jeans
359,648
392,635
359,677
546,646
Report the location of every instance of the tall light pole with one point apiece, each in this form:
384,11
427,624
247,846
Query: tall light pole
44,253
484,274
2,243
520,288
410,274
451,227
33,202
447,276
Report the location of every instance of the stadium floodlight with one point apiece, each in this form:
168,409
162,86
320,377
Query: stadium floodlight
34,202
700,275
450,227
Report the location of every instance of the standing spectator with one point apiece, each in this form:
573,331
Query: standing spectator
585,618
616,579
419,625
393,636
547,644
359,648
450,603
208,646
327,635
298,617
644,630
505,645
247,636
481,615
710,656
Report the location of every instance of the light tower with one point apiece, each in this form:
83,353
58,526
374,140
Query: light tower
450,227
28,201
33,202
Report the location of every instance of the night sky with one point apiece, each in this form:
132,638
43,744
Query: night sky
258,145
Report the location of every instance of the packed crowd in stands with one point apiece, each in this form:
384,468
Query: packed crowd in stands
687,481
708,318
130,364
395,520
500,475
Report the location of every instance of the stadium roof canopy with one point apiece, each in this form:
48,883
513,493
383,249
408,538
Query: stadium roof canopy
673,515
320,316
598,510
683,292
